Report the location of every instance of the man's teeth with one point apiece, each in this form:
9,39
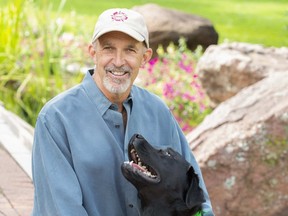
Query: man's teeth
117,73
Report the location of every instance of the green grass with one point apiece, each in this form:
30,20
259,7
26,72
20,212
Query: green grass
253,21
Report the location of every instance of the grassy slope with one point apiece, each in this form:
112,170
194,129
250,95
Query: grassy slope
259,21
255,21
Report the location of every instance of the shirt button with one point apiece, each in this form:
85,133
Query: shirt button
131,205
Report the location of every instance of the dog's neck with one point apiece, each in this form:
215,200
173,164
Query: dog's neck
158,209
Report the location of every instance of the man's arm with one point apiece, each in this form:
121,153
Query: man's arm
187,153
57,190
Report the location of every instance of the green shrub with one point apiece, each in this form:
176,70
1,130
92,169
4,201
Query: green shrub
33,58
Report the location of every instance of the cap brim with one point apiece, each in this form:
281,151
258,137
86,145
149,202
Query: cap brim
128,31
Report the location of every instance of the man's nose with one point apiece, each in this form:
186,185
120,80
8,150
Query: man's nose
119,59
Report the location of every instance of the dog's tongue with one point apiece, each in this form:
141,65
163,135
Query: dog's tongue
138,167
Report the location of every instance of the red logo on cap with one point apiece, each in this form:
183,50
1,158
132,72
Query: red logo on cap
119,16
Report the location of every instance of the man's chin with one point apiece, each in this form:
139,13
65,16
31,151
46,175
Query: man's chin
117,89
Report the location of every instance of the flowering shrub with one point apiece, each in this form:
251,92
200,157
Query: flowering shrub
171,76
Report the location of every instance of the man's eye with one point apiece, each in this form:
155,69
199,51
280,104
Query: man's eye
107,48
132,50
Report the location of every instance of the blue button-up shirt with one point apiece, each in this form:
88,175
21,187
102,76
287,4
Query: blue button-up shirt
80,143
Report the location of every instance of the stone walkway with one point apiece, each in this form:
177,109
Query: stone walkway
16,188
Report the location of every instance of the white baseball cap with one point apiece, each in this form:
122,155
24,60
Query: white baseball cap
124,20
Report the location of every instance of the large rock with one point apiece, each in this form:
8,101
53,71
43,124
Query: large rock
167,25
227,68
242,148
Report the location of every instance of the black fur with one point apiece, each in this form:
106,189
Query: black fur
174,192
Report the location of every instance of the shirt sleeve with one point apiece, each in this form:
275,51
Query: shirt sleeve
188,154
57,190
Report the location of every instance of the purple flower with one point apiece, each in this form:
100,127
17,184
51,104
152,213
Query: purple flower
180,86
152,63
168,90
188,68
189,97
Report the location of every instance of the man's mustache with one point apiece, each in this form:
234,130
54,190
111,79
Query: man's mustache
123,69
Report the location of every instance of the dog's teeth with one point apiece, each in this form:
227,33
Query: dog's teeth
142,167
132,151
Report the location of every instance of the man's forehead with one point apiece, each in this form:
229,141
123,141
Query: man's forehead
114,38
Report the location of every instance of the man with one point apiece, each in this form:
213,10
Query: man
81,136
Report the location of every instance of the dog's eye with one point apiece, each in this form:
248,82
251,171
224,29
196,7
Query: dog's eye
165,152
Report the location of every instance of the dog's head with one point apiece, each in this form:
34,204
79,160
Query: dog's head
161,174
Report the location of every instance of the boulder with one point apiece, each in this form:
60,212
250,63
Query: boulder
227,68
242,149
168,25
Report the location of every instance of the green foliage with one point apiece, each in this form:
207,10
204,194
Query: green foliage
31,66
199,213
276,148
10,78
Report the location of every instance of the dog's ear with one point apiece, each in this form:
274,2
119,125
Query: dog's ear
194,196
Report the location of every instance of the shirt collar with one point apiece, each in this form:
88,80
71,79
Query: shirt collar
97,97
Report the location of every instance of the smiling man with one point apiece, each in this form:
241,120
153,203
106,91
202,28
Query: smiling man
117,57
82,135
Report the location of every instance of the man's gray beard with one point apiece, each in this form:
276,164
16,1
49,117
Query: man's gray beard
122,86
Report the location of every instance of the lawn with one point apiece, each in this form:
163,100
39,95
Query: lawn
259,21
254,21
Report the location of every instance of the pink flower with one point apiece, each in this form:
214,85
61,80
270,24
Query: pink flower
188,96
202,107
168,90
152,63
187,128
175,80
185,65
187,68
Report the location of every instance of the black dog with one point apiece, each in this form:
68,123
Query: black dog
167,184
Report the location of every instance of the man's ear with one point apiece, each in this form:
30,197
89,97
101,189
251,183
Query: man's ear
194,194
91,50
146,56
